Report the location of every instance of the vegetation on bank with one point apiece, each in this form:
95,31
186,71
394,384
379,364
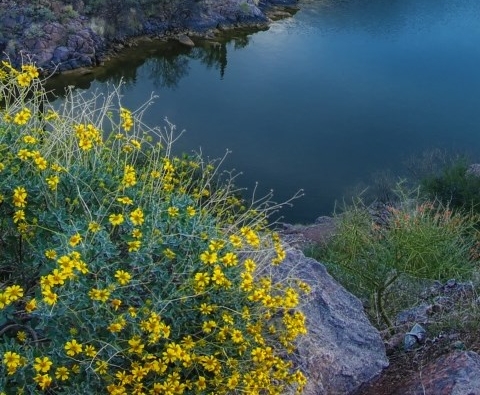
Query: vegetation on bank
390,254
125,269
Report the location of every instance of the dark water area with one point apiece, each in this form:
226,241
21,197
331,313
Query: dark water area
320,101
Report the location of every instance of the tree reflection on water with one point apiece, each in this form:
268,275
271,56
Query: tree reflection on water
167,63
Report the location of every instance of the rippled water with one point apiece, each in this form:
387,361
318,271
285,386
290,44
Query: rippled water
322,100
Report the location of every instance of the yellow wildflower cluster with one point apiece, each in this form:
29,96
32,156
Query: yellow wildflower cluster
127,119
129,176
139,274
168,175
68,267
29,72
35,156
87,136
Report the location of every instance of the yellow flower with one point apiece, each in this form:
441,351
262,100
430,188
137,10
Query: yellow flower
115,327
250,265
237,336
136,233
31,305
21,336
132,311
169,254
125,200
172,211
52,182
136,216
22,117
206,309
24,79
127,120
11,359
129,176
51,254
116,303
101,295
116,219
94,227
62,373
155,174
122,277
173,352
201,383
136,345
201,280
31,70
208,326
191,211
58,277
211,364
73,347
41,162
90,351
136,144
24,154
44,381
19,197
13,293
216,245
208,257
230,259
29,139
49,297
42,365
134,245
51,115
75,239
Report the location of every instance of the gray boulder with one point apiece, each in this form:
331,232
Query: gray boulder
457,373
342,350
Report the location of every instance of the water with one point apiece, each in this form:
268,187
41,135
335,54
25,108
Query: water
319,101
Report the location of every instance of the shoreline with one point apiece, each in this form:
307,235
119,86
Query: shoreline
80,43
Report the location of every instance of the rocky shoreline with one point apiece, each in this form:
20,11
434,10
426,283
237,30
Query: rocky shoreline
61,37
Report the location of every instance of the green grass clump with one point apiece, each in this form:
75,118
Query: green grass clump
420,241
454,186
124,269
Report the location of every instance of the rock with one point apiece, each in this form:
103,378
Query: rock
185,40
415,337
342,350
305,235
457,373
61,54
89,39
415,314
474,170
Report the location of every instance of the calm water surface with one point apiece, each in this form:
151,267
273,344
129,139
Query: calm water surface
320,101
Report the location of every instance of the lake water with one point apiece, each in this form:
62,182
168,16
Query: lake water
319,101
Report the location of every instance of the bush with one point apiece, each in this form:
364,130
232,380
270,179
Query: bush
124,269
454,186
420,241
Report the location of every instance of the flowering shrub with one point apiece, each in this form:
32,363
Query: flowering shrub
124,269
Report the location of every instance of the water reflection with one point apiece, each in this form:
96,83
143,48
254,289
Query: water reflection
167,64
